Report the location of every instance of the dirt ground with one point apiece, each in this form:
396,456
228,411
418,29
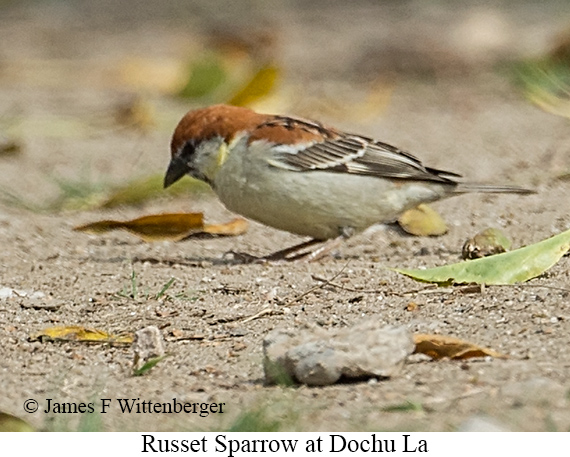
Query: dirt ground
449,104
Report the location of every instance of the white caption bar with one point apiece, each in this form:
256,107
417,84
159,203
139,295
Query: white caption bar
226,444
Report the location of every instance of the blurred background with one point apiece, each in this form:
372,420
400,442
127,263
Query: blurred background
90,91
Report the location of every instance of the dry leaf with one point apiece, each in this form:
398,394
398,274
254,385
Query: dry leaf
237,226
438,347
79,333
422,221
490,241
175,226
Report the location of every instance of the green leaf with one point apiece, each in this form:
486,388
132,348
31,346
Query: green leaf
506,268
206,75
148,366
546,83
407,406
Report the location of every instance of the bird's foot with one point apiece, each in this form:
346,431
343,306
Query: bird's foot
298,253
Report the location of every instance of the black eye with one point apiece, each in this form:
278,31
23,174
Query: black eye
188,150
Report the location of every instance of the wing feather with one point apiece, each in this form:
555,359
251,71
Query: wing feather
339,152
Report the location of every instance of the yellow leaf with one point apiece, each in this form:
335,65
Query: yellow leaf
422,221
235,227
259,86
175,226
9,423
438,347
79,333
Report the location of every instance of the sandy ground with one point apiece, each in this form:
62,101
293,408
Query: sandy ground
463,117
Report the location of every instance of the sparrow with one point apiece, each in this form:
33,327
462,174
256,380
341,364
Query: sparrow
304,177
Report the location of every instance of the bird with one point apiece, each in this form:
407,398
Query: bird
304,177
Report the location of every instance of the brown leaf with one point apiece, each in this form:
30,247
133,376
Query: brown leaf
175,226
79,333
439,346
422,221
234,227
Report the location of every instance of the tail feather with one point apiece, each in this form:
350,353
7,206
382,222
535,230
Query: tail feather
463,188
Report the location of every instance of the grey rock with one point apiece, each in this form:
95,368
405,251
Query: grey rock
534,391
148,344
319,357
482,424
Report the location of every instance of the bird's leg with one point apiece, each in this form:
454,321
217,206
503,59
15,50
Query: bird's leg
320,252
300,252
284,254
297,253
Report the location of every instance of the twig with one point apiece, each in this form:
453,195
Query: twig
262,313
340,286
318,286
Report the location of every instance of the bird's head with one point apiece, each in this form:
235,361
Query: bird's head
204,138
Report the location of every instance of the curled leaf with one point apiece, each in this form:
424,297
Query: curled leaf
511,267
234,227
490,241
158,227
439,346
422,221
173,227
